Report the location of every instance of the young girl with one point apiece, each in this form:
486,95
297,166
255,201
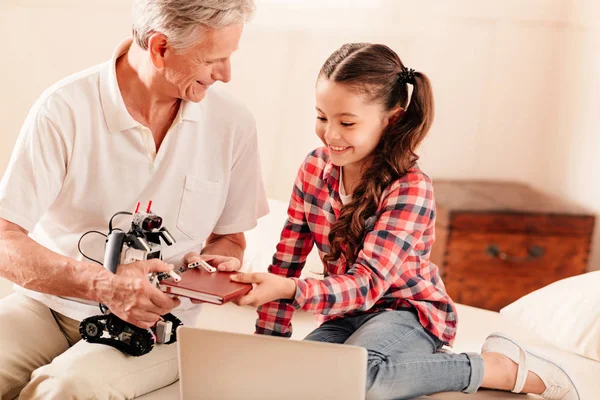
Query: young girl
364,202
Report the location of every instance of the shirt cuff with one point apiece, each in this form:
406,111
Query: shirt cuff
270,332
241,226
235,228
300,296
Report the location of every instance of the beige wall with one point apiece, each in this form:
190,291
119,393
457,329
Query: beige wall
570,165
515,81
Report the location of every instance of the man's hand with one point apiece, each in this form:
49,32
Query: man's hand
266,287
222,263
134,299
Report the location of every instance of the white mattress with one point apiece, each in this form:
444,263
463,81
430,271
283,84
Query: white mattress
474,325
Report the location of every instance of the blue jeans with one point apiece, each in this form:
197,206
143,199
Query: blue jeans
403,361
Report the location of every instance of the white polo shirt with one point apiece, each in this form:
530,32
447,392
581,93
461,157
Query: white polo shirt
81,157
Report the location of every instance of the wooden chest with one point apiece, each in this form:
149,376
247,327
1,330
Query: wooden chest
498,241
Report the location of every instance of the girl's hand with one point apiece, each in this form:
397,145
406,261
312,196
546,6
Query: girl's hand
266,287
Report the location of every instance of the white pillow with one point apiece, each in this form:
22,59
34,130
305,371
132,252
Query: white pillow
565,313
261,243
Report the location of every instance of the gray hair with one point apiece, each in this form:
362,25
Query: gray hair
180,20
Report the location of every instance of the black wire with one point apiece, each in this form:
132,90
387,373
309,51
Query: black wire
79,245
110,228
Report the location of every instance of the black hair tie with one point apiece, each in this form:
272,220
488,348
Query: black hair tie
407,75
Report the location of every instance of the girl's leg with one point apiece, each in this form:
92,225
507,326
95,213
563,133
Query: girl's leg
336,331
403,363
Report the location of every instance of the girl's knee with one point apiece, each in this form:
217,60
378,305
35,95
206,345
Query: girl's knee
384,380
374,363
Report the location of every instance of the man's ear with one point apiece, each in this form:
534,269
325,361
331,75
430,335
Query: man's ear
157,47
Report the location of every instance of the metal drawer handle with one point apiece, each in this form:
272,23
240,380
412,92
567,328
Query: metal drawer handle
534,252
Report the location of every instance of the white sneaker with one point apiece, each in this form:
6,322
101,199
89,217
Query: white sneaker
559,385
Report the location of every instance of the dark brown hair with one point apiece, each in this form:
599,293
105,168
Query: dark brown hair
377,71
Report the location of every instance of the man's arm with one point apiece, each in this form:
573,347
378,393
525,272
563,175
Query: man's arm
225,252
32,266
232,245
128,293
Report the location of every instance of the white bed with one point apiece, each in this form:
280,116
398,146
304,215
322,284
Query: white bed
474,325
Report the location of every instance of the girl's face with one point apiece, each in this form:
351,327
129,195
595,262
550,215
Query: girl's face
348,122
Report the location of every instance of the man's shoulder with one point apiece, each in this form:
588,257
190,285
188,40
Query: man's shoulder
74,90
221,106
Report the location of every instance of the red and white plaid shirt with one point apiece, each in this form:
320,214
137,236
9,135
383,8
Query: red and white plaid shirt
392,270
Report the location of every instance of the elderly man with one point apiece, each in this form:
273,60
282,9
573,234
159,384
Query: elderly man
147,125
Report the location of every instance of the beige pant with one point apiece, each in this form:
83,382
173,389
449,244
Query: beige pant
42,357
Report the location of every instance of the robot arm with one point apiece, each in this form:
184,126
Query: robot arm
166,236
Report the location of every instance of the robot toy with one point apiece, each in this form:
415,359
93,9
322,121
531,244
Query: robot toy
141,242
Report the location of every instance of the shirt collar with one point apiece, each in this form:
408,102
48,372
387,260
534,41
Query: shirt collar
192,111
115,112
331,174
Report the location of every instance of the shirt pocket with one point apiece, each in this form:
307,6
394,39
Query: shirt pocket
201,206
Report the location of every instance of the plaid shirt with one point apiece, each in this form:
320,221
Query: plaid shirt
392,270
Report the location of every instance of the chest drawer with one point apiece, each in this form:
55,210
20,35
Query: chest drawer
491,270
496,242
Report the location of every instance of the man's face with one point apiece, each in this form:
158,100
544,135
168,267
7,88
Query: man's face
188,73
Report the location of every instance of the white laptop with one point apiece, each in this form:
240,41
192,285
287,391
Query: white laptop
217,365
